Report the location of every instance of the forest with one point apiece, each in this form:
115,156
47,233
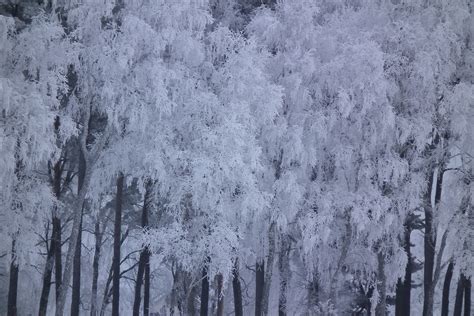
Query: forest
236,157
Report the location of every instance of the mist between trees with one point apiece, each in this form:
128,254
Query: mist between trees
236,157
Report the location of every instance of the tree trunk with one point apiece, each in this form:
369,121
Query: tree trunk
446,286
459,296
284,270
138,284
190,294
204,292
403,292
237,289
76,275
56,234
146,294
220,295
76,211
430,241
381,308
107,289
57,255
269,268
95,266
13,284
143,255
48,273
259,286
117,237
467,297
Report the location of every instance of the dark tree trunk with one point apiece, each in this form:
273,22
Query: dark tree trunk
95,267
381,308
76,275
138,285
403,292
117,238
467,297
190,297
220,295
107,290
57,254
284,270
204,292
259,286
13,284
269,268
446,287
143,261
48,273
399,296
146,295
459,296
143,277
430,242
57,172
237,289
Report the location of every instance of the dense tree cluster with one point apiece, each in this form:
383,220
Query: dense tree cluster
223,157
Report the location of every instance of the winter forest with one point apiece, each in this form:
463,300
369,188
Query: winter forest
236,157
